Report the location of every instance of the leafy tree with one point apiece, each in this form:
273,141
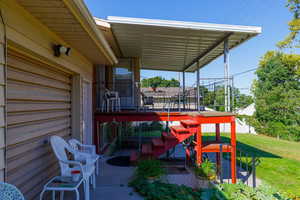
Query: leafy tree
277,95
215,99
292,39
158,81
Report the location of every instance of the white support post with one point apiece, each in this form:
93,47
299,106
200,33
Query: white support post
179,99
226,76
183,90
198,86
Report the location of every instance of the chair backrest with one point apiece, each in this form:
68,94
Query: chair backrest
60,148
74,144
10,192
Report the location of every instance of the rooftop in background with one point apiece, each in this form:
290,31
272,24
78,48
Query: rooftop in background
167,91
174,45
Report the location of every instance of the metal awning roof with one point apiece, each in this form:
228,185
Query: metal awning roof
176,45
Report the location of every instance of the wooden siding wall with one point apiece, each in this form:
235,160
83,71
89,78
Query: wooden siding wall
2,103
38,106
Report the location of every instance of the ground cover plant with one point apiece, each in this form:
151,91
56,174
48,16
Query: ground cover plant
206,170
159,190
150,168
279,160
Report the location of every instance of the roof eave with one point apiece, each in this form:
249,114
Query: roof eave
82,14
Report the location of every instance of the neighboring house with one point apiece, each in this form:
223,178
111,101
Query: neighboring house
241,125
168,91
41,94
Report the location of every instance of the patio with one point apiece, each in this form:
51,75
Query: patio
112,182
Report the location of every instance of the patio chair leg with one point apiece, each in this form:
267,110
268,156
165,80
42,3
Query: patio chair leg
77,194
97,168
42,194
62,195
103,105
53,195
94,180
86,189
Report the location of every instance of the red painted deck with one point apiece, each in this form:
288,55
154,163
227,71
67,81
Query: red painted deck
190,125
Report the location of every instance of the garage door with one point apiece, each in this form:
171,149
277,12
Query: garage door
38,106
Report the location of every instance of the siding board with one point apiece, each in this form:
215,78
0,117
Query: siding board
38,106
2,103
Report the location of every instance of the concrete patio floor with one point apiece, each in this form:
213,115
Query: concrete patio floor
111,183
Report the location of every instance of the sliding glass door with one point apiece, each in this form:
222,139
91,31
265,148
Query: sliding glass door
124,83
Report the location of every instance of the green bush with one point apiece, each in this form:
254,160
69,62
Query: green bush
150,168
158,190
241,191
206,170
277,96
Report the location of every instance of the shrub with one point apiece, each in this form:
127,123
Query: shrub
150,168
277,96
206,170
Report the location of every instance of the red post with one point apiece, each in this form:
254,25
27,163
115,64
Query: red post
199,146
218,139
233,151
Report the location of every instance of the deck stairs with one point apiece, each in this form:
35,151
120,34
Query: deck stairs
167,141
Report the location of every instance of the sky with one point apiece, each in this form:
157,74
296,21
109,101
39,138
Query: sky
271,15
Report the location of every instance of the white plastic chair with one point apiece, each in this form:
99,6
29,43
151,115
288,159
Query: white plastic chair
10,192
85,151
111,101
60,148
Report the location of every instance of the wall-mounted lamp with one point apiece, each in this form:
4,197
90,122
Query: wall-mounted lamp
60,49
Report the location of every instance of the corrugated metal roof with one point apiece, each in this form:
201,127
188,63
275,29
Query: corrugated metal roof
176,45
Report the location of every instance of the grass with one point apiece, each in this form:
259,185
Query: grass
280,160
148,133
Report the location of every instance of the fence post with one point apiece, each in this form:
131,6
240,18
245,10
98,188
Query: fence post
253,171
140,137
221,167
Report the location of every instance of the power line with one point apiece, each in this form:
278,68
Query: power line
244,72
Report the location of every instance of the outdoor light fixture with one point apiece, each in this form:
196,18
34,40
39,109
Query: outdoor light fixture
60,49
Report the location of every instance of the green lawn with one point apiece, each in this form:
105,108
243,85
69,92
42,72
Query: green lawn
280,160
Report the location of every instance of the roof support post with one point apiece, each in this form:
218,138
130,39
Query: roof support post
198,87
179,99
183,90
226,77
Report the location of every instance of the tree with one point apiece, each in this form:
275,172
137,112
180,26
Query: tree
158,81
292,39
277,95
215,99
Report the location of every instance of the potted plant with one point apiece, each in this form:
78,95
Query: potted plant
150,169
205,173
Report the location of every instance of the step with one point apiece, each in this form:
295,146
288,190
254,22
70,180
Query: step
168,136
158,142
134,156
179,129
189,123
146,149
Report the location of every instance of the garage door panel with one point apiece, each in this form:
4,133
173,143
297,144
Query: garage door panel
27,106
39,69
18,134
38,106
15,74
23,117
13,152
18,90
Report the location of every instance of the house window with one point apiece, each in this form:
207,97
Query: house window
123,78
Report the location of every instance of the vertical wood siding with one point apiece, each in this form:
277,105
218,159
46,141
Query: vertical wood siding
38,106
2,103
